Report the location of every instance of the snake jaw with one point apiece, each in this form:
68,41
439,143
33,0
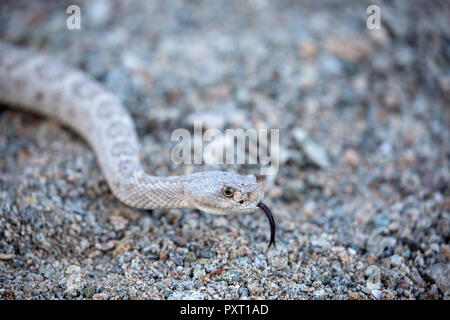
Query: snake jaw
269,215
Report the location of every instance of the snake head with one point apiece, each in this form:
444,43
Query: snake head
227,193
220,192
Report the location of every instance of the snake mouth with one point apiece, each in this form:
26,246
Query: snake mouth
271,222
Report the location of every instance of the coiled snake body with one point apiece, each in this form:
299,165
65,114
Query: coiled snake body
40,84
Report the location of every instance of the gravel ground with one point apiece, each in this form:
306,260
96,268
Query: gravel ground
362,197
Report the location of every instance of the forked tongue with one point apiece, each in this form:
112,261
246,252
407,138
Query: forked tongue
271,222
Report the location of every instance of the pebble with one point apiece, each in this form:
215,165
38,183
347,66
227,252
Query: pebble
376,294
100,296
88,292
232,276
312,150
396,260
319,294
351,157
73,281
440,273
4,256
207,254
119,223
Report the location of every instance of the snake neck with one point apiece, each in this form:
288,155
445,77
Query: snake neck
144,191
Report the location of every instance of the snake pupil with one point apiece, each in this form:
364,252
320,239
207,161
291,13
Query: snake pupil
228,192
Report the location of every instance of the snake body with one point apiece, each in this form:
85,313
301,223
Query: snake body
41,84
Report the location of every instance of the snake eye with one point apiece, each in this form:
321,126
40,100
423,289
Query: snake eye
228,192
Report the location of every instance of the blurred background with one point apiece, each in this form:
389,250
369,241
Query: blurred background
361,199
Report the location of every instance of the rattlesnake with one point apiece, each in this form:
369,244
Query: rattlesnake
43,85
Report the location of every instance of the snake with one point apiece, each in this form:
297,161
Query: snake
41,84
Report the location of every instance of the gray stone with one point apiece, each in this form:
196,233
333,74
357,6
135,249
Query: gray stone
315,152
440,273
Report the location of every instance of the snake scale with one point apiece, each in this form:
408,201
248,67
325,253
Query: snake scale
43,85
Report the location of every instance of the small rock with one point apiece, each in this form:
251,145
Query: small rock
88,292
74,281
254,290
371,286
73,269
100,296
408,158
355,49
315,153
292,190
351,157
445,250
354,296
382,220
206,254
377,244
232,276
440,273
319,294
388,295
343,256
119,223
329,65
176,258
198,272
321,243
308,49
376,294
5,256
373,282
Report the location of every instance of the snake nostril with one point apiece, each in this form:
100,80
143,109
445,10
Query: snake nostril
241,202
